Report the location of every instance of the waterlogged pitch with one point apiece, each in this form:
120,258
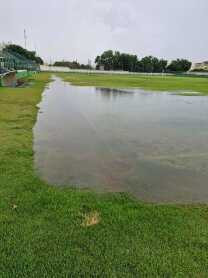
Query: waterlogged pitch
150,144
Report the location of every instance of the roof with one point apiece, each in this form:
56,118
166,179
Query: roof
16,61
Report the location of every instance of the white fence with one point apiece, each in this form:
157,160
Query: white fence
65,69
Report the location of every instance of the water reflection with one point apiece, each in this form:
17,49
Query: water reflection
110,93
151,145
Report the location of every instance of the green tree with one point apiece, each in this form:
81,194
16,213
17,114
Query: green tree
71,65
147,64
107,59
151,64
117,61
98,62
179,65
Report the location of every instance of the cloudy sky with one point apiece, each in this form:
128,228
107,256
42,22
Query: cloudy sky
82,29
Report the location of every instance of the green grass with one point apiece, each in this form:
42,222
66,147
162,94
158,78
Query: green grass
156,83
43,231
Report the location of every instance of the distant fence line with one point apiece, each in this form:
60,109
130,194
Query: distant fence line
197,73
66,69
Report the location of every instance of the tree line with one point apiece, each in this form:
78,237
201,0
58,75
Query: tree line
71,65
110,60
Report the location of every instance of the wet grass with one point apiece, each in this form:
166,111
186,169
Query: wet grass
47,231
156,83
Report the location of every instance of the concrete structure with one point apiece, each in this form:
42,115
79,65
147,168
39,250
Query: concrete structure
101,67
11,78
8,79
201,66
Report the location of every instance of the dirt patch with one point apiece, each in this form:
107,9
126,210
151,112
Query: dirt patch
91,219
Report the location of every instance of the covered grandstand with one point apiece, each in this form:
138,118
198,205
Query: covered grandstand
14,65
10,60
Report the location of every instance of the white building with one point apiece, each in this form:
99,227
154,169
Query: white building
201,66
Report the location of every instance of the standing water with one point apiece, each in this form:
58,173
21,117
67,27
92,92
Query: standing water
153,145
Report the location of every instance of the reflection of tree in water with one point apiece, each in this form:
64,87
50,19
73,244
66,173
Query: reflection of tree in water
114,93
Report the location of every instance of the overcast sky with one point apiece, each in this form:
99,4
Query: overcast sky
82,29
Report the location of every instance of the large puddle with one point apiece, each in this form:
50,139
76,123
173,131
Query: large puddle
153,145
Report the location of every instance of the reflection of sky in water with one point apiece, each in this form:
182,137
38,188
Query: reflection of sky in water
151,144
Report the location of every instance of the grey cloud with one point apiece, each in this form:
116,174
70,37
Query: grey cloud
78,29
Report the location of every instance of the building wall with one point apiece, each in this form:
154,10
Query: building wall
203,65
9,79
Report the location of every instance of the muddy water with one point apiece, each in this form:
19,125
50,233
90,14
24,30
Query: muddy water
153,145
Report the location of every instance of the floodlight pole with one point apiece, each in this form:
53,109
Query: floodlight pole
25,38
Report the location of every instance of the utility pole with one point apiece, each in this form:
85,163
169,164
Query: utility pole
25,38
36,51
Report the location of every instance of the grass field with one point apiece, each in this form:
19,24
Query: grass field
156,83
47,231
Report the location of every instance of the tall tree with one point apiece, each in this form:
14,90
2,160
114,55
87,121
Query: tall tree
107,59
128,62
147,64
179,65
117,61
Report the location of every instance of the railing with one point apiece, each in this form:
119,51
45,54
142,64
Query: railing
14,61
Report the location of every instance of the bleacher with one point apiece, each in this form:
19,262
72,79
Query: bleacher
14,66
10,60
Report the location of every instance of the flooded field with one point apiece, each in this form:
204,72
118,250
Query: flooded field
153,145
